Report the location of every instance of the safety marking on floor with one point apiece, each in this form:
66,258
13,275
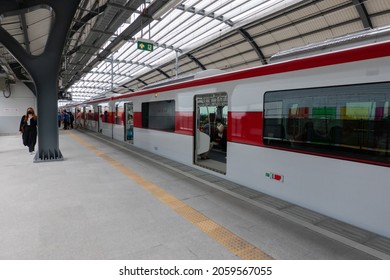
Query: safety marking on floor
238,246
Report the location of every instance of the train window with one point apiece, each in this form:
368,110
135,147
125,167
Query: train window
88,113
350,121
159,115
105,115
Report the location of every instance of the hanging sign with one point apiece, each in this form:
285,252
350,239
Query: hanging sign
145,45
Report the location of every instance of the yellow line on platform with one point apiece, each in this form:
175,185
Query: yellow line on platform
225,237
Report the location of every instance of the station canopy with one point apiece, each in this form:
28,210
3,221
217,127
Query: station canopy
121,46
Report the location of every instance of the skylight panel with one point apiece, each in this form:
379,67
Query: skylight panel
196,32
173,28
104,77
138,72
120,80
126,50
162,25
252,8
191,2
216,5
88,75
206,36
163,54
232,8
186,29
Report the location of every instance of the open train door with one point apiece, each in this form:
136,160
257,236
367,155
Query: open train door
210,137
99,118
129,123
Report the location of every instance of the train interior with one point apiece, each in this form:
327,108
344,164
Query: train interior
129,125
210,143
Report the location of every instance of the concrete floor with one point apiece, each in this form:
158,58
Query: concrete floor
84,208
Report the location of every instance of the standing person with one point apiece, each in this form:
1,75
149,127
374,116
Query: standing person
59,119
130,127
28,127
78,119
71,119
89,119
65,118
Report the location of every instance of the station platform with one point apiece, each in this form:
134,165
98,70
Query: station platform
108,200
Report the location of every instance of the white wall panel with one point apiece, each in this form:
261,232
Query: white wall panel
13,108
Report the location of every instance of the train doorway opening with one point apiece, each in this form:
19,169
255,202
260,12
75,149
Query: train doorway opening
210,137
99,119
129,125
88,117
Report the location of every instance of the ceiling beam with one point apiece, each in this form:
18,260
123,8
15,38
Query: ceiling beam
362,11
196,61
162,73
141,81
90,15
92,81
129,62
88,87
110,73
253,44
24,28
133,10
204,13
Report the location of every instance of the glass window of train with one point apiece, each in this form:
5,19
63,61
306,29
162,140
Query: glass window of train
104,112
89,113
273,118
159,115
145,115
352,121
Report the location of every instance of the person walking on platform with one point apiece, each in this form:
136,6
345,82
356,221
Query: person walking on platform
28,127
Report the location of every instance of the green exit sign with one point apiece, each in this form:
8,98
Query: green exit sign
145,46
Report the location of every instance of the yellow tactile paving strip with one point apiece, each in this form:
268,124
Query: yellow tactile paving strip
228,239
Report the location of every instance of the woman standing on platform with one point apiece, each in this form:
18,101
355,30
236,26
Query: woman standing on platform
28,127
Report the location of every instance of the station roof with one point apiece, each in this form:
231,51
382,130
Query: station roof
120,46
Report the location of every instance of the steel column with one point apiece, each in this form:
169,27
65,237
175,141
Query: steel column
44,70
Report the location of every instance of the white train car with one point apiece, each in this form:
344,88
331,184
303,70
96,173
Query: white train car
313,131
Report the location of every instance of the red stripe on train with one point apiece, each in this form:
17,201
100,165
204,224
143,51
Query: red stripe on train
245,127
137,118
184,123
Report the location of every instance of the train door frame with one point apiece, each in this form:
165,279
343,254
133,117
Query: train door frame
129,124
210,146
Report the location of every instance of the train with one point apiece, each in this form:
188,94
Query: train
313,131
